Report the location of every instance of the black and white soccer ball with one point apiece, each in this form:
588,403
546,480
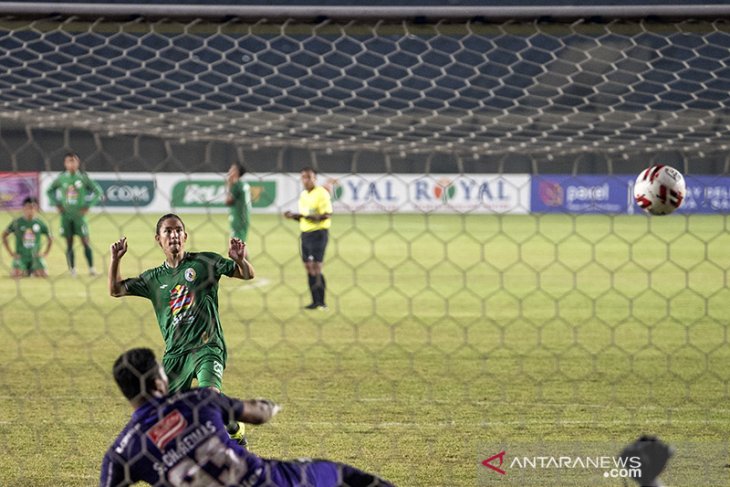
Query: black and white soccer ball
659,189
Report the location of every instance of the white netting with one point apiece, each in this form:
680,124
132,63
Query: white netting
448,335
466,88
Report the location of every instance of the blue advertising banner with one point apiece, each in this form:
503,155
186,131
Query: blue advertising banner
706,194
614,194
581,194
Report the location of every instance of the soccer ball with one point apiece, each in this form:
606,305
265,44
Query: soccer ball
659,189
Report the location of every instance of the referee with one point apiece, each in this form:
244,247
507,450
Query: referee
315,210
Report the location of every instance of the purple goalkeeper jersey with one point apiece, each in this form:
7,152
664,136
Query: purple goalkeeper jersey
181,440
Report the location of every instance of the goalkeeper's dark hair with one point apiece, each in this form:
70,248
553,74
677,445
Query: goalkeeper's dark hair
165,217
135,372
308,169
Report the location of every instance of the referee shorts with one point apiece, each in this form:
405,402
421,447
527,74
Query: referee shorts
313,245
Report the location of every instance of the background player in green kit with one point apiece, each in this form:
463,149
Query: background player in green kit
238,199
27,256
73,193
184,294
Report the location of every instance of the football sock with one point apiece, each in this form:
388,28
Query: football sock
312,283
70,257
89,255
320,287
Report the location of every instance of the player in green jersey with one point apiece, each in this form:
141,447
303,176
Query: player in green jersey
238,199
28,229
184,294
78,193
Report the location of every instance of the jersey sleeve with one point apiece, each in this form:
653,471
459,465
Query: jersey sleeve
112,472
44,229
221,265
51,192
95,191
246,190
231,409
11,227
137,286
325,202
237,190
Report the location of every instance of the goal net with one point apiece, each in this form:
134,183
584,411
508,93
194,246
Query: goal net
491,285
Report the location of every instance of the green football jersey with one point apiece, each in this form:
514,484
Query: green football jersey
28,235
185,300
239,213
74,192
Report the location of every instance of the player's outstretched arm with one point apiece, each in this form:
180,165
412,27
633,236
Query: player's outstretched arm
237,252
117,251
258,411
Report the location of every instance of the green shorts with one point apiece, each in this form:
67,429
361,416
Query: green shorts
74,225
29,264
205,364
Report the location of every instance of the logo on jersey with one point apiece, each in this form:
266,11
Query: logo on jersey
166,429
190,274
28,238
180,299
72,195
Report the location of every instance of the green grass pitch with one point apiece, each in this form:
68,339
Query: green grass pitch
446,337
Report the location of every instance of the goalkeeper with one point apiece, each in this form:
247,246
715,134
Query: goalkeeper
78,193
181,439
184,294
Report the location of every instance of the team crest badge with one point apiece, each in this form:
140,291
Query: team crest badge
36,228
190,274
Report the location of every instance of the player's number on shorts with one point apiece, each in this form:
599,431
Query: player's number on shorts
218,368
189,473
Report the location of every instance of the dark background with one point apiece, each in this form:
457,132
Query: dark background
390,3
50,71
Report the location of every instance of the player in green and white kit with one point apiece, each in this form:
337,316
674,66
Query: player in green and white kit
78,193
28,229
238,200
184,294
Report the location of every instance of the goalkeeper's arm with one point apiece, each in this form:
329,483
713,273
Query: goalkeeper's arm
251,411
258,411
